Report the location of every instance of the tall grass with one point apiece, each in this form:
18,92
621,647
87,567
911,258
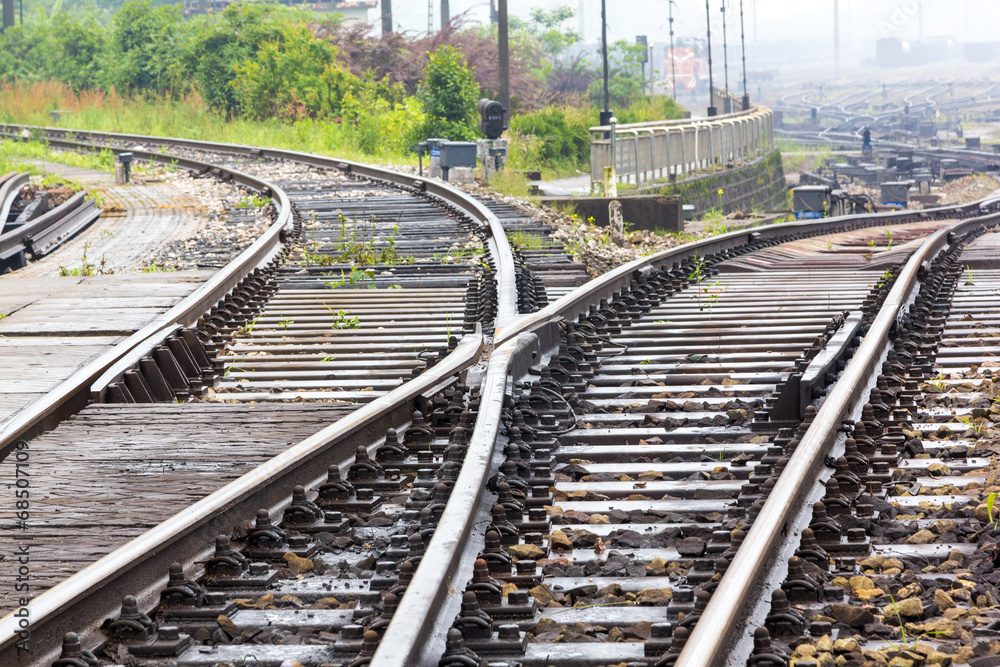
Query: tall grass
554,139
29,103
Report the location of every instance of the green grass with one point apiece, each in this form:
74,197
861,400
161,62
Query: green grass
799,157
510,183
526,240
190,117
14,156
385,132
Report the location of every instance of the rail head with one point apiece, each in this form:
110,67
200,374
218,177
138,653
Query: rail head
446,560
722,625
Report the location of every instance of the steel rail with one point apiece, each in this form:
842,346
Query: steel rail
436,572
10,187
580,299
131,568
428,595
506,287
21,238
723,622
73,394
440,577
140,567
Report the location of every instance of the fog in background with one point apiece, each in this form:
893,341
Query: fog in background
862,21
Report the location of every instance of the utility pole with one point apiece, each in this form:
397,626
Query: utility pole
673,67
8,15
445,13
606,114
712,110
725,59
386,17
652,71
743,44
643,40
836,36
504,56
430,17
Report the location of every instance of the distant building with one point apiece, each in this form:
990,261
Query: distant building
352,10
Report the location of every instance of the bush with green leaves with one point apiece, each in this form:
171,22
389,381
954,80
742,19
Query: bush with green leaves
449,93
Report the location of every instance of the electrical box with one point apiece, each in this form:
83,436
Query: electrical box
896,194
810,201
458,161
458,154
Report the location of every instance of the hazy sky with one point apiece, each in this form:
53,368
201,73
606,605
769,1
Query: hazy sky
862,21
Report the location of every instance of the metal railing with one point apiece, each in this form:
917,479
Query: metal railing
670,150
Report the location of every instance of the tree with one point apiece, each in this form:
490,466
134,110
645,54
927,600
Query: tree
449,93
144,55
625,76
221,44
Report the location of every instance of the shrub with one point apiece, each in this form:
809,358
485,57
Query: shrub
449,93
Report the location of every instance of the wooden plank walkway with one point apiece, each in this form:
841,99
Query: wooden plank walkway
115,471
53,326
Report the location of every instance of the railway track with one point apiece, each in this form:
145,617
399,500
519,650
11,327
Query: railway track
292,333
33,231
851,123
613,479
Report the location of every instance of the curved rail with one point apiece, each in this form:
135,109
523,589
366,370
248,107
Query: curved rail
439,578
10,187
429,596
73,393
718,631
140,564
140,567
506,288
579,300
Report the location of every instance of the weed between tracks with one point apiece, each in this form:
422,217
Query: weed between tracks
87,268
358,243
153,267
705,294
525,240
342,319
253,201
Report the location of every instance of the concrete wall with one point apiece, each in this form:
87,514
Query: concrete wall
757,185
644,212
